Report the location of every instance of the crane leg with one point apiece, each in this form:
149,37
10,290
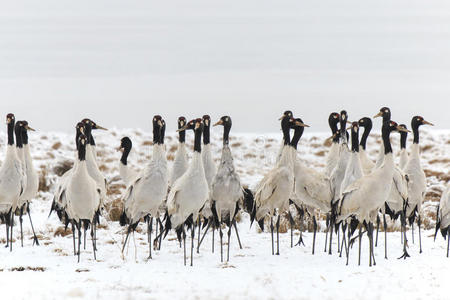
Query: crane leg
192,242
126,238
184,244
278,235
300,238
212,245
12,227
371,244
221,245
229,240
338,240
326,232
203,236
412,232
7,230
378,228
271,230
385,236
448,239
314,234
73,237
344,241
149,233
93,239
35,239
420,236
155,243
199,224
291,223
331,236
405,240
349,233
237,234
359,248
21,227
79,239
84,228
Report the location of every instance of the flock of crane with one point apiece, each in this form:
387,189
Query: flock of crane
353,191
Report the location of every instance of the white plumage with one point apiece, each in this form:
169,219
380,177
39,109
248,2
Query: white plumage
148,191
226,189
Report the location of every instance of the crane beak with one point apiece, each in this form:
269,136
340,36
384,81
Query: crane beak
427,123
298,123
220,122
348,122
378,115
29,128
183,128
100,127
119,149
281,118
401,129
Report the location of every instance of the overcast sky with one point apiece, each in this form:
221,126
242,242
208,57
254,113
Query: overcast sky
121,62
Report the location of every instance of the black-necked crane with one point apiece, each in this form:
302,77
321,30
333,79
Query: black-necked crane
144,197
364,197
82,197
32,186
312,188
59,199
337,175
12,181
226,189
274,190
126,173
397,200
189,193
417,186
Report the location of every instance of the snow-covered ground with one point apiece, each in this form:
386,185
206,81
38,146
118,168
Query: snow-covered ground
51,271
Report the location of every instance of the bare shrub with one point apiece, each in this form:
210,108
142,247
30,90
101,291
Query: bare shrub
56,145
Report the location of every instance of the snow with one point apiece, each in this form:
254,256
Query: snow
252,272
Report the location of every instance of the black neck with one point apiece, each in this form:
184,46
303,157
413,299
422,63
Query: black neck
355,146
82,152
19,143
25,137
298,132
343,123
334,129
365,135
286,131
385,135
226,133
415,130
156,135
182,136
125,153
403,136
163,134
198,141
11,133
206,131
88,128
